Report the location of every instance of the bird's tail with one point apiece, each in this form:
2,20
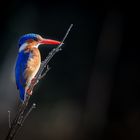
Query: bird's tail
22,93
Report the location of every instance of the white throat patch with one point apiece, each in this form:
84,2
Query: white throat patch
36,46
22,47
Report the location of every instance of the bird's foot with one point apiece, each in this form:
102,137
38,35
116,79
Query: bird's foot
29,91
33,81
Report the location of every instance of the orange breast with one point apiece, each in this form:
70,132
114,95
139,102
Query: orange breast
33,64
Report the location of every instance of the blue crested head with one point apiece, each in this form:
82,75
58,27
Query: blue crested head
26,37
37,38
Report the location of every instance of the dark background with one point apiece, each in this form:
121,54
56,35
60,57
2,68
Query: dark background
92,89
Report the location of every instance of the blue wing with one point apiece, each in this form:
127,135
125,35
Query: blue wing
20,68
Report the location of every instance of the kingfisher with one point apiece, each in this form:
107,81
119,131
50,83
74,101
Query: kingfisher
29,60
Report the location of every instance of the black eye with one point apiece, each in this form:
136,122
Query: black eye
36,39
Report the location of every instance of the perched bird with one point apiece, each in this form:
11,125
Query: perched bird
29,60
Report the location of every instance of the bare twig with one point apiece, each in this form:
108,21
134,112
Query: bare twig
21,116
29,111
16,124
43,75
9,118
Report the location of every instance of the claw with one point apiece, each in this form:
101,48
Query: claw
33,81
29,91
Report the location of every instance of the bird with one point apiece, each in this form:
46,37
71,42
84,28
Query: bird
29,60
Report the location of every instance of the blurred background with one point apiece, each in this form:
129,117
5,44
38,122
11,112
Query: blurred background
92,89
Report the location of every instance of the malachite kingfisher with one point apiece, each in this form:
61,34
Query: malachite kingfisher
29,60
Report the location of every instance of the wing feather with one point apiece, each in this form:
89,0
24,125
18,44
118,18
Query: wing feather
20,68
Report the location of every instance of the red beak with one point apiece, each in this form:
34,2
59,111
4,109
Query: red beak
49,42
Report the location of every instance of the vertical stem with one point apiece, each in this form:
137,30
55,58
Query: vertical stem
9,118
18,119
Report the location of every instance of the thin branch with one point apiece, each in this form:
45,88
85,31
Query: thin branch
29,111
21,116
44,74
52,53
9,118
16,124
